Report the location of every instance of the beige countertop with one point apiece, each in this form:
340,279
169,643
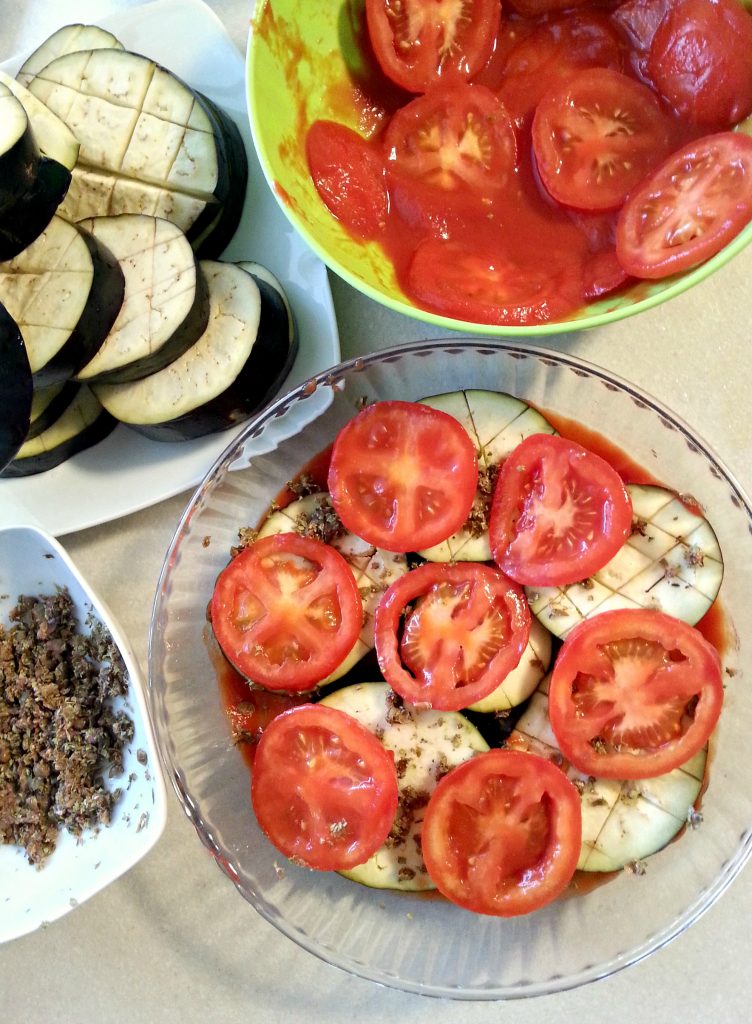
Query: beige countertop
172,940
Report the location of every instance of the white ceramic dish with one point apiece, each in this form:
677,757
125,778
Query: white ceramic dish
32,562
127,472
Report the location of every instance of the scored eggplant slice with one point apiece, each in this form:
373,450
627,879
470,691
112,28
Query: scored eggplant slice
165,307
53,137
671,562
237,364
82,424
497,423
68,39
425,744
64,292
137,121
15,388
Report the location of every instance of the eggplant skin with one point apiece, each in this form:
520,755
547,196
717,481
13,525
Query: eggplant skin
86,438
30,215
15,388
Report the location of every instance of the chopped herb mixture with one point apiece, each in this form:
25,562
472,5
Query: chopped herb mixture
59,732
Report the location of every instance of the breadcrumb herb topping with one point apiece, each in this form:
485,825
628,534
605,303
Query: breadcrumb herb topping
59,732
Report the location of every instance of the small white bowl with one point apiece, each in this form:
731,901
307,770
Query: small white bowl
33,563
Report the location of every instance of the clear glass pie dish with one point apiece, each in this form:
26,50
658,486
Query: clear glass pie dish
419,944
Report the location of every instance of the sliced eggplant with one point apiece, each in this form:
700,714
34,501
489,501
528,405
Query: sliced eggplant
497,423
31,185
68,39
672,562
623,822
374,570
525,678
235,367
47,404
19,156
64,292
426,745
52,136
165,307
138,122
82,424
15,388
261,273
97,194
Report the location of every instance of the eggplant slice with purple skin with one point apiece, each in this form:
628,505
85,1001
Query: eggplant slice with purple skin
68,39
237,365
83,423
149,144
64,291
31,184
15,388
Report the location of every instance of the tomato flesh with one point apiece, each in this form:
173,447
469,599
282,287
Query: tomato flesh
402,475
324,789
700,61
453,138
696,202
286,611
465,628
634,694
597,137
419,44
349,177
558,514
502,833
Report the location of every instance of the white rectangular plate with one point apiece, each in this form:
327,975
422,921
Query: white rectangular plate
127,472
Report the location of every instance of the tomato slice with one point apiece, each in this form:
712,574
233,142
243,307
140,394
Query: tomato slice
634,693
403,475
482,285
286,611
502,833
544,59
324,789
419,44
559,512
465,628
349,176
700,61
455,138
532,8
689,207
596,137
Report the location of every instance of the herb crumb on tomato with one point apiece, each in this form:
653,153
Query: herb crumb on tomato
402,476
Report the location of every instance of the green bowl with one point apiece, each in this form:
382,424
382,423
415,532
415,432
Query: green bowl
304,63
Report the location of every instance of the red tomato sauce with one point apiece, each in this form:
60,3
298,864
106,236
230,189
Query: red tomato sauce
509,255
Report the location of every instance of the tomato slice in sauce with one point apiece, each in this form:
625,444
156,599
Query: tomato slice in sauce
502,833
559,512
596,137
403,475
689,208
634,693
286,611
324,789
419,44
